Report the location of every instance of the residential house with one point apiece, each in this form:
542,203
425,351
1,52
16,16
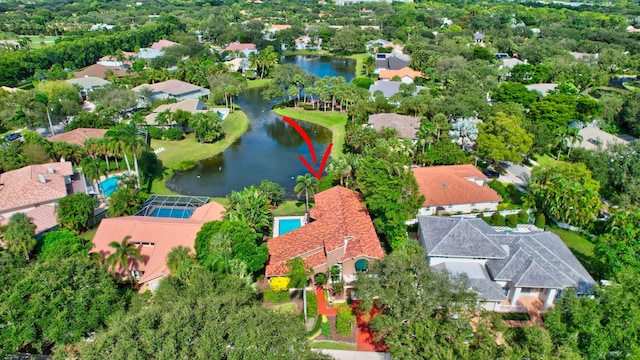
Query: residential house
173,89
34,190
596,139
542,88
78,136
88,84
112,60
452,189
340,232
190,105
238,65
478,38
162,44
241,48
278,27
155,237
407,75
510,63
506,269
391,62
101,71
407,126
97,27
390,88
149,53
307,43
10,45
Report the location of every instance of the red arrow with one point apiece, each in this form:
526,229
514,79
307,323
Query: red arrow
307,140
318,174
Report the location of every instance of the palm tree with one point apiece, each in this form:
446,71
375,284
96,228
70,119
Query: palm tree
369,65
307,184
20,235
573,136
123,252
91,170
180,261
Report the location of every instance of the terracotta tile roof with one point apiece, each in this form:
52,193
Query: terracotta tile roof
163,233
171,87
98,70
339,217
453,184
44,217
405,71
279,27
240,46
114,57
22,188
78,136
159,45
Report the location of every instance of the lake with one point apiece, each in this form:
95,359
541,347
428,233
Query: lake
269,149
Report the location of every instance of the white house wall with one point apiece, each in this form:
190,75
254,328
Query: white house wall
459,208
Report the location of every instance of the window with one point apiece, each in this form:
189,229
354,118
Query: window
135,274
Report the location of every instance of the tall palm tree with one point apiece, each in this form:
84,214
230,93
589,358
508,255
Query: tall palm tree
123,252
91,170
573,136
19,236
180,261
307,184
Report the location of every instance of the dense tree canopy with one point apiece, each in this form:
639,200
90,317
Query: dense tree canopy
75,211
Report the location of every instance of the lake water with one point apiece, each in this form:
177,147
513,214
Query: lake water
269,149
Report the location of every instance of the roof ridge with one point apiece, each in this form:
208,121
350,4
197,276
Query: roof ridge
559,258
511,259
447,234
558,271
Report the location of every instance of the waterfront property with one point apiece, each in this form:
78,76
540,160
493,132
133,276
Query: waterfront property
407,126
506,269
160,226
453,189
339,233
172,89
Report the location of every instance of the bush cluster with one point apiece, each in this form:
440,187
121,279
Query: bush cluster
312,304
169,134
344,319
326,328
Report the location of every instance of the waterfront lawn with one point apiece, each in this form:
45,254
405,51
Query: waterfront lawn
291,208
257,83
359,63
333,120
183,154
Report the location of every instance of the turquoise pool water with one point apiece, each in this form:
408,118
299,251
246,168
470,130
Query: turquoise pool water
109,186
177,213
286,225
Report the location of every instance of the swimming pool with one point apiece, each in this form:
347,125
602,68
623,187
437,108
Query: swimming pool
109,186
176,213
286,225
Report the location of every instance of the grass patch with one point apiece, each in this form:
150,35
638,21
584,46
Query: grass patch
257,83
581,247
36,41
276,297
315,332
312,304
333,120
89,234
290,208
359,58
333,345
287,308
306,52
183,154
546,160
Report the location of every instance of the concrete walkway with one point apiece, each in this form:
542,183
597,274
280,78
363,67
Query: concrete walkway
355,355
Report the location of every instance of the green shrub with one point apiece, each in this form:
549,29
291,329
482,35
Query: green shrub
499,188
155,132
277,297
320,278
312,304
185,165
540,221
523,217
497,219
316,327
512,220
326,328
174,134
307,107
344,319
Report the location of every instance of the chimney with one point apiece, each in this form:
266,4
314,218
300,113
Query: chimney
62,160
42,179
50,169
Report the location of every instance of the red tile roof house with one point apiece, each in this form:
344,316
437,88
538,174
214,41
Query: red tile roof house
244,48
340,232
454,189
161,44
155,237
78,136
34,190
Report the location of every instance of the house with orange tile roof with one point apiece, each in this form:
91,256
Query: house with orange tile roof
155,237
244,48
407,75
453,189
34,190
100,71
161,44
340,232
78,136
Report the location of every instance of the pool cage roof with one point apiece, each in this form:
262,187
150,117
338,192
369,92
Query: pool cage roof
173,202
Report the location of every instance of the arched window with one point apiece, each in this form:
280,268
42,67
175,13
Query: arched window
362,265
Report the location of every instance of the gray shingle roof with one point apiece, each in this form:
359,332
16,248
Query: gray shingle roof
537,259
407,126
479,280
458,237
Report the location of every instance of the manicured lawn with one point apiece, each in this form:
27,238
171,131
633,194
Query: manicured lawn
580,246
546,160
359,63
291,208
331,345
183,154
89,234
36,42
257,83
332,120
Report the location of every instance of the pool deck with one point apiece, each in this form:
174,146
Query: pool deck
276,223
